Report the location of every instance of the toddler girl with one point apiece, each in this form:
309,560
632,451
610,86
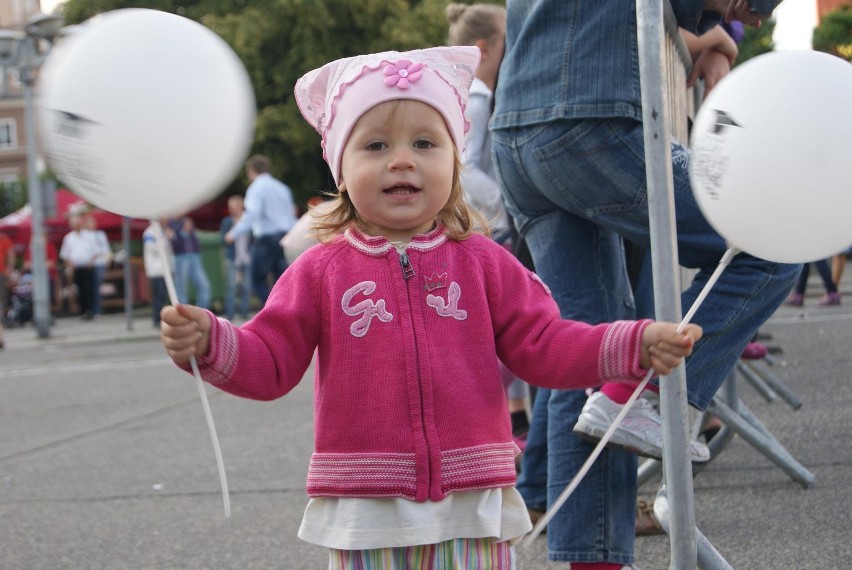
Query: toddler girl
408,311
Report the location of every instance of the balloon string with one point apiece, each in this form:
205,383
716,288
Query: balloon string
575,482
199,384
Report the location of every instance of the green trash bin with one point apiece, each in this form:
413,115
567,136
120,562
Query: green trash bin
213,259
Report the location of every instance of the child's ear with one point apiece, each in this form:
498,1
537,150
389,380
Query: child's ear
341,187
483,48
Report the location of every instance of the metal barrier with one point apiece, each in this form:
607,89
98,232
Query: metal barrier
661,64
667,105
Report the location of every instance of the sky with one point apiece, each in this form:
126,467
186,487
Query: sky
795,20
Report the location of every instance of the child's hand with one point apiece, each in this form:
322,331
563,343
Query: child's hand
185,330
664,349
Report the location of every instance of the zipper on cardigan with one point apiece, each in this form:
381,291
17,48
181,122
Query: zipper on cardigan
407,270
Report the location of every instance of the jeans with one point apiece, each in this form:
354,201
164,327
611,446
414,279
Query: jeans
267,256
188,267
824,273
575,189
100,273
159,296
237,277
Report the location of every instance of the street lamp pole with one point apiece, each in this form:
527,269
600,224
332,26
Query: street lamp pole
22,51
38,253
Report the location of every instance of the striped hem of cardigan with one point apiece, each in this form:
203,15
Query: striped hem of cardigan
378,475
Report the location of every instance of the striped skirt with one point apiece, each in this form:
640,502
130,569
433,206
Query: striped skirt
458,554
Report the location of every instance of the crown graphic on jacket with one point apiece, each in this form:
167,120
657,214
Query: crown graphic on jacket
436,281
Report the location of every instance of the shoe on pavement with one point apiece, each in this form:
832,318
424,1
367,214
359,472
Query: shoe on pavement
754,351
829,299
646,521
795,300
641,431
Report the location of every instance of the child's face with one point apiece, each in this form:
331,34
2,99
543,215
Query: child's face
397,167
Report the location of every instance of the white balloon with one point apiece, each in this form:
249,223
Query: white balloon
770,165
145,113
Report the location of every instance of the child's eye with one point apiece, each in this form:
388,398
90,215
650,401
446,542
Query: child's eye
376,146
423,143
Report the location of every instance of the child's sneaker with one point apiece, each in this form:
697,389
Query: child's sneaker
641,430
795,300
829,299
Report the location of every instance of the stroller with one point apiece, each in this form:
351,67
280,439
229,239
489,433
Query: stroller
20,309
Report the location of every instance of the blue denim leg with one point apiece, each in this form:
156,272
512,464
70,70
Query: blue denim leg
267,257
605,532
594,171
244,286
100,273
182,268
199,280
230,287
573,187
532,481
597,523
159,297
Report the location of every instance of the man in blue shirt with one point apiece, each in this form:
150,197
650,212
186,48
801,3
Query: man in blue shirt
269,214
568,145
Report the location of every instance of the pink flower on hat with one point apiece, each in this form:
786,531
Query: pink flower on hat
402,73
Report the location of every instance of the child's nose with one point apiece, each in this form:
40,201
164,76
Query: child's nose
401,159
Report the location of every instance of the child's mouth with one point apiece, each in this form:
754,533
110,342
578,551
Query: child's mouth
401,190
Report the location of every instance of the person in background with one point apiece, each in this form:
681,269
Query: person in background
484,26
102,259
188,263
156,266
79,251
237,262
831,296
269,214
838,265
7,266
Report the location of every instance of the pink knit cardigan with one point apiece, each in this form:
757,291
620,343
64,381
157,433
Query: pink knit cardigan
408,397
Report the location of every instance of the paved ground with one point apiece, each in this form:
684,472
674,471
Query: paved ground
105,460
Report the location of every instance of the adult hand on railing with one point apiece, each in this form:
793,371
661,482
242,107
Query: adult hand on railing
711,66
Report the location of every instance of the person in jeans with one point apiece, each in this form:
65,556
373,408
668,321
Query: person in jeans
188,263
237,261
568,145
269,215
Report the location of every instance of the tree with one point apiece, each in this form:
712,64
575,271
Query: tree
756,41
278,41
834,33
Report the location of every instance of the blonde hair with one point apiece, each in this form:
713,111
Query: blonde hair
472,22
456,216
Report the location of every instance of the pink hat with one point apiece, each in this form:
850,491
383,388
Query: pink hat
333,97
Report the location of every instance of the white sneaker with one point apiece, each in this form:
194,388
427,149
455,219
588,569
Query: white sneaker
641,431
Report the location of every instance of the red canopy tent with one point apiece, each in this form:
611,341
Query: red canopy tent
18,225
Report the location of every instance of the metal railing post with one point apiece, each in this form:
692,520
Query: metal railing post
677,469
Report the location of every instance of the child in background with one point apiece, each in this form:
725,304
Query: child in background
484,26
156,266
408,311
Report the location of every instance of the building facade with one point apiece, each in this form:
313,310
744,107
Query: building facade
13,136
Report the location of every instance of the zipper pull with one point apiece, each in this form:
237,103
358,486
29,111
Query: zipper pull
407,270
